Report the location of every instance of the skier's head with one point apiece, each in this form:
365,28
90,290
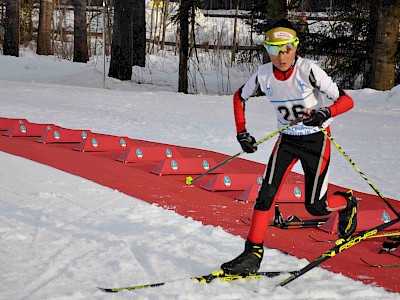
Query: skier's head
280,34
281,44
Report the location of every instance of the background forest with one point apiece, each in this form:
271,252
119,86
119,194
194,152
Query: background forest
356,42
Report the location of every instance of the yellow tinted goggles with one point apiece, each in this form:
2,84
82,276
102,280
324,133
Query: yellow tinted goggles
274,48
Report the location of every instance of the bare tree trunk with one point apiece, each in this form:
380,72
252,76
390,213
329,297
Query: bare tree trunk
44,30
139,34
184,46
164,26
26,22
149,47
59,27
160,26
156,38
234,42
81,53
2,10
121,48
385,44
11,26
109,6
373,20
192,30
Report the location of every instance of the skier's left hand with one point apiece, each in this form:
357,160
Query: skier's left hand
247,142
317,117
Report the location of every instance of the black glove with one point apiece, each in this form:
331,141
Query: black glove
246,141
317,117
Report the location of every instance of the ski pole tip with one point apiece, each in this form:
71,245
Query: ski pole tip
189,180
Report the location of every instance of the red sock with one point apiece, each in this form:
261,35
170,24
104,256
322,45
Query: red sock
336,202
259,225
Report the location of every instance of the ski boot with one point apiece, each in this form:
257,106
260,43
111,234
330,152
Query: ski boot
348,216
246,263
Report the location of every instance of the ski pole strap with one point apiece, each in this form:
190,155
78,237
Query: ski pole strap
359,171
190,180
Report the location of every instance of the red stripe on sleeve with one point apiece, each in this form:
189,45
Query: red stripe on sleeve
240,119
343,104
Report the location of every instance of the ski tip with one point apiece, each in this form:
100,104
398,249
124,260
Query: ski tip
189,180
106,290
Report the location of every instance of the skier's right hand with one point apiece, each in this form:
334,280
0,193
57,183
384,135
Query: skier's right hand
246,142
317,117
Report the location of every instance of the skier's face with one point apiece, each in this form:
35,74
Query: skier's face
284,59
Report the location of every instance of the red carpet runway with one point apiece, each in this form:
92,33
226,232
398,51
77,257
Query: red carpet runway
218,208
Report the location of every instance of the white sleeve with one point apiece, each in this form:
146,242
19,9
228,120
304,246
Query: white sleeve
250,87
324,83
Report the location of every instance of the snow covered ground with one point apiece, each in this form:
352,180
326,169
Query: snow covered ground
62,236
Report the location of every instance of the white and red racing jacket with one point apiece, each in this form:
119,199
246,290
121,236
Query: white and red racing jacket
293,93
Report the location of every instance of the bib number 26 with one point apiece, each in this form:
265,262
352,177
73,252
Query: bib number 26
293,112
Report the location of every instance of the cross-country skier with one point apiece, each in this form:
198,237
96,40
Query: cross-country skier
297,88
